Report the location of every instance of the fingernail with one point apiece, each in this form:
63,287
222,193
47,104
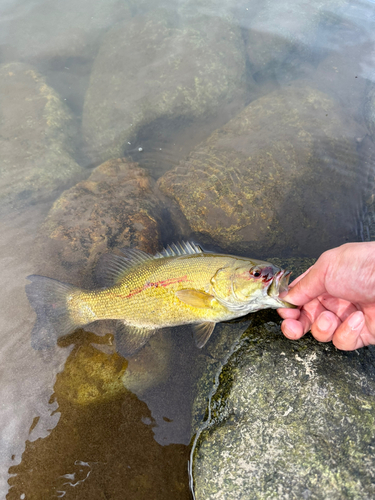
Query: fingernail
355,320
324,322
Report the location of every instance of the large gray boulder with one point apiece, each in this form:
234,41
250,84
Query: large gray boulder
288,420
281,176
160,67
37,138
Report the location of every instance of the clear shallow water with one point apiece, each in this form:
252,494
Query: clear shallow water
68,427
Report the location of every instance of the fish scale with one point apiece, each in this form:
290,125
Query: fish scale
145,297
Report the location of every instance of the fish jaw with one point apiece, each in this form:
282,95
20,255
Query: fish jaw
279,284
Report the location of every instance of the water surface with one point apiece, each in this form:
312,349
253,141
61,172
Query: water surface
72,425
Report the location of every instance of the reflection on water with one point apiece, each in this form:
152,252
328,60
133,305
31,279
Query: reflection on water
266,107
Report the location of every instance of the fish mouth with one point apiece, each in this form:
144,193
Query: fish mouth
278,283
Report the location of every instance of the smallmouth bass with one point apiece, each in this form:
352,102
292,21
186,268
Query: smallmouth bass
143,293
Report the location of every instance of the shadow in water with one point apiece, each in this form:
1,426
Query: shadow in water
103,446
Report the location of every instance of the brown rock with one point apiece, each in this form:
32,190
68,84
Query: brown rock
117,206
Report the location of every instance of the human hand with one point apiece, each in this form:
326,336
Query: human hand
336,298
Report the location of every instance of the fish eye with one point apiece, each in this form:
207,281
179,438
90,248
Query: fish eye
255,272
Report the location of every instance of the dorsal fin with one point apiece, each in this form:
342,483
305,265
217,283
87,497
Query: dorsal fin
111,268
175,249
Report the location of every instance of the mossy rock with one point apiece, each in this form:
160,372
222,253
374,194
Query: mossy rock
288,419
90,375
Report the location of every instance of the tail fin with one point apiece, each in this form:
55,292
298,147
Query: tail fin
49,297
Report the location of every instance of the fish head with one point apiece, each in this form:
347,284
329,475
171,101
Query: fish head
248,285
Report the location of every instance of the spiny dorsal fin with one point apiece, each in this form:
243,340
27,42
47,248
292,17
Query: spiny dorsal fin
111,268
202,333
129,339
175,249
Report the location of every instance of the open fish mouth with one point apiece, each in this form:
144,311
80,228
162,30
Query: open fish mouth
278,284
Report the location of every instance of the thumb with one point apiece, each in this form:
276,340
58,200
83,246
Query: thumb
310,286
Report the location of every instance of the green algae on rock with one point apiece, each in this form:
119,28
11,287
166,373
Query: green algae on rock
37,138
117,206
159,66
289,420
265,181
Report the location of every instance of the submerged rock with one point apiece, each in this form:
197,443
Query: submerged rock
369,109
117,206
91,375
61,39
37,138
288,420
369,218
367,151
94,372
284,37
161,67
45,31
265,182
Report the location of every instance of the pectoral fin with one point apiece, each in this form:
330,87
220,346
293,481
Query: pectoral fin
129,339
202,333
195,298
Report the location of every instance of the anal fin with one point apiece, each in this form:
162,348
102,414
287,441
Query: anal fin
202,333
129,339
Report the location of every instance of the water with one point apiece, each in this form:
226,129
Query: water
83,82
